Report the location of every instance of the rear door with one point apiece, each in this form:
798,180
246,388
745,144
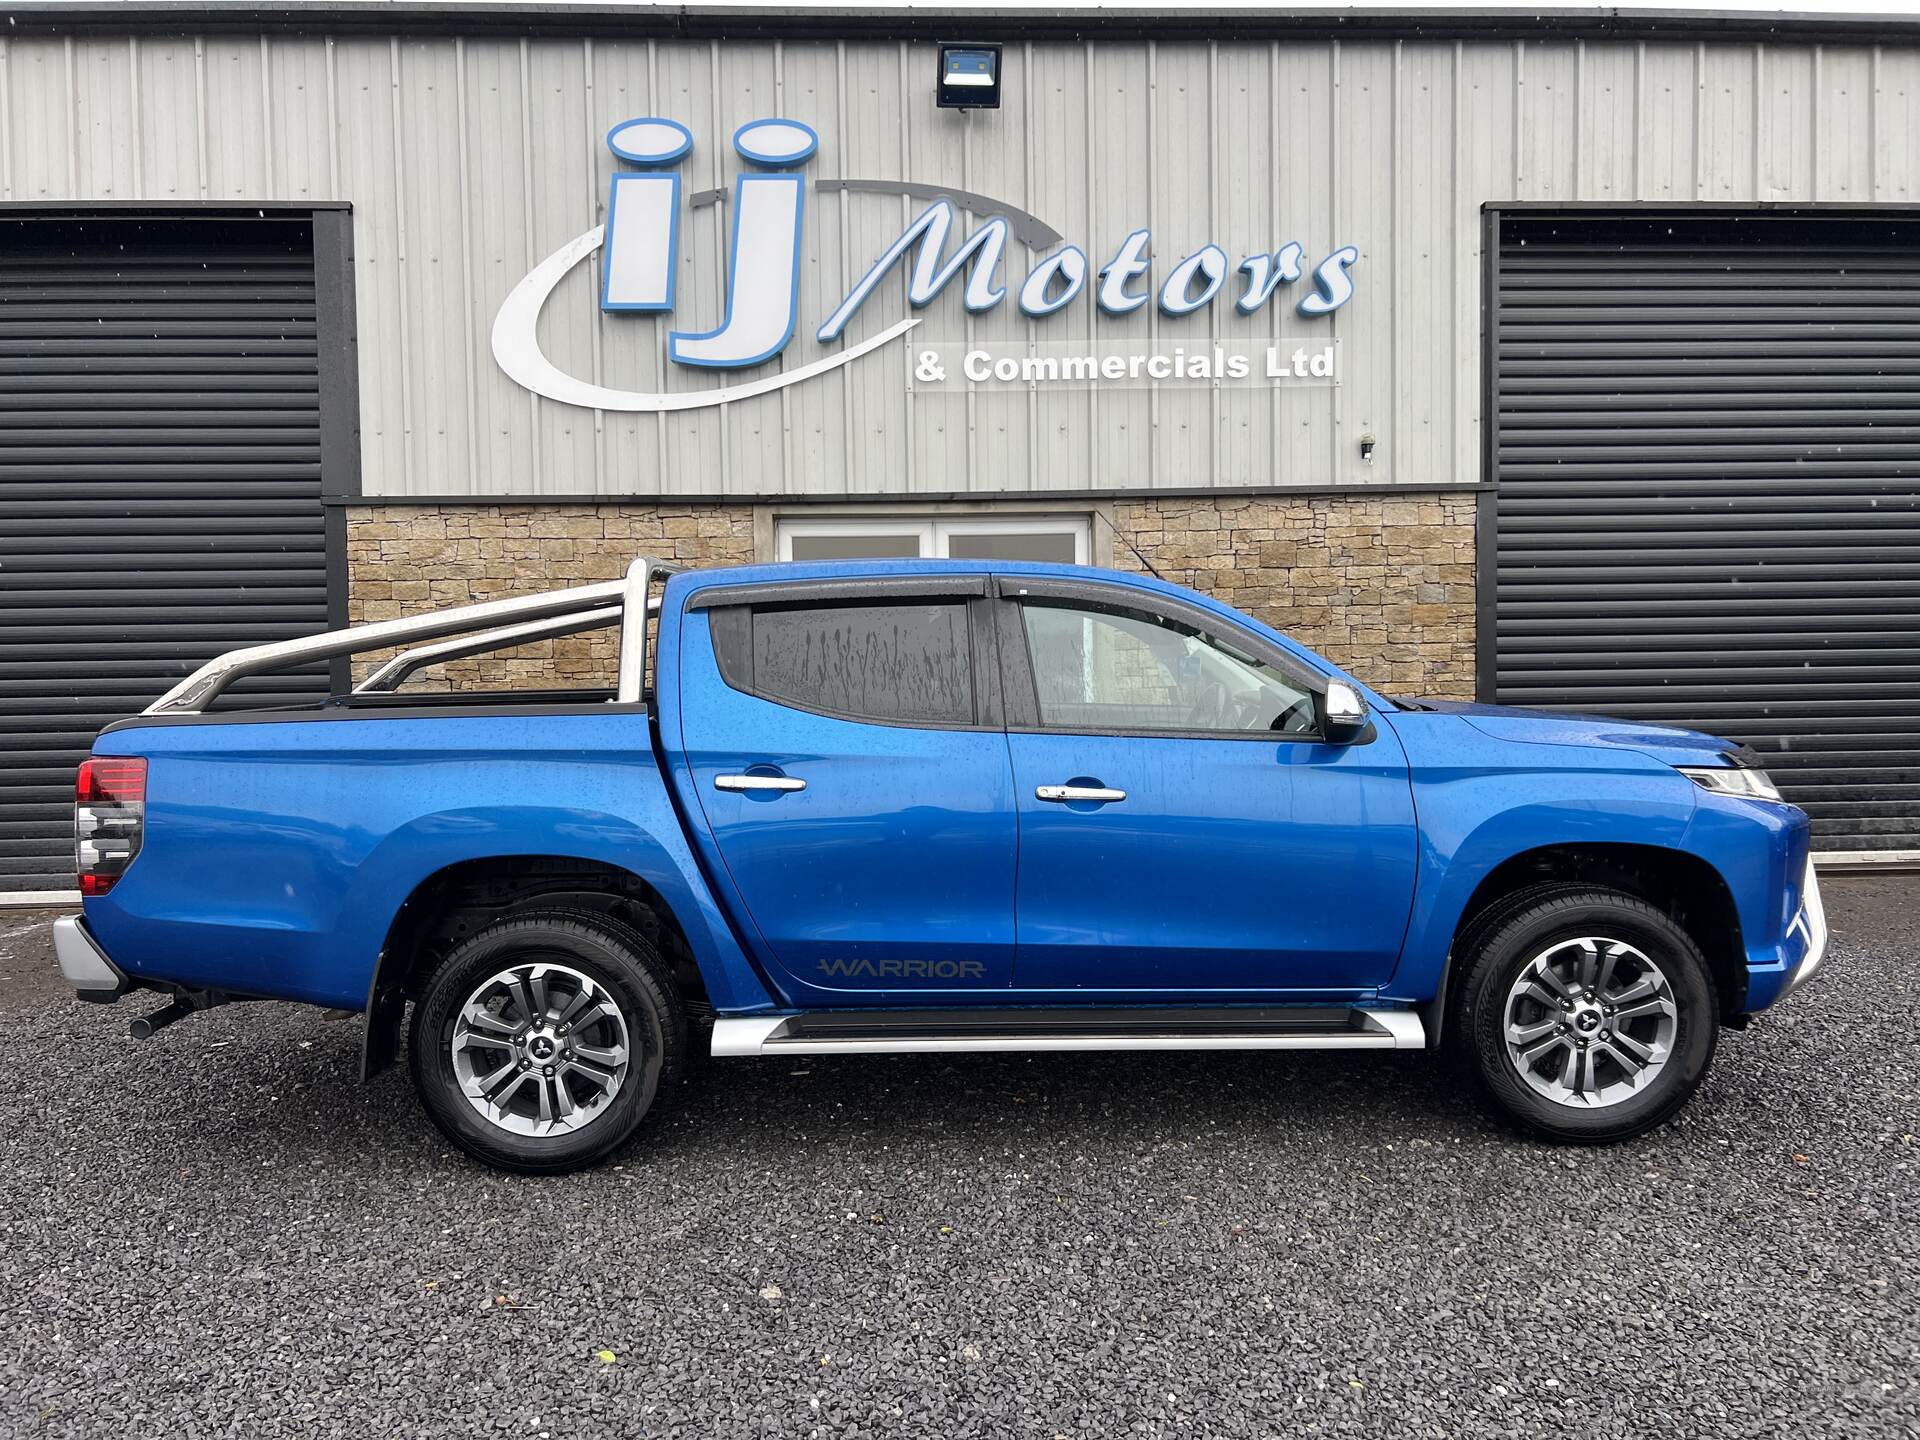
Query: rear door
845,745
1184,830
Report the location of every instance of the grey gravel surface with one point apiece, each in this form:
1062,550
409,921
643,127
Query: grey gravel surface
218,1233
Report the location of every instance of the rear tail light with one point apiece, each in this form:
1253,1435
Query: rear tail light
109,812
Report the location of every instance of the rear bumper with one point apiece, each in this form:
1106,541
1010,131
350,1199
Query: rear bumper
84,965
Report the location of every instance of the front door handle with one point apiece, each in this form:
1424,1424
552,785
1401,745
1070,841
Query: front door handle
758,782
1064,793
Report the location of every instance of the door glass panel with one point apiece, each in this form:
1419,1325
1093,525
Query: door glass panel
904,663
1055,546
1104,668
855,545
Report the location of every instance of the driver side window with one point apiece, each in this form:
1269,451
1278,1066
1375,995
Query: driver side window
1100,668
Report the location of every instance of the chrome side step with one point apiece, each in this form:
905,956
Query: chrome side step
908,1032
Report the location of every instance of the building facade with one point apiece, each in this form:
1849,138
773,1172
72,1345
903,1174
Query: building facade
1568,360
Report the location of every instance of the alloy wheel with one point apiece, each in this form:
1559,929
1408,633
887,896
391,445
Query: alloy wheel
540,1048
1590,1022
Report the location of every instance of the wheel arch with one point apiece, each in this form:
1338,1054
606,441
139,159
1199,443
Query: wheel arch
452,902
1687,888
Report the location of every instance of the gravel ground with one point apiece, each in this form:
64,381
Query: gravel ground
218,1233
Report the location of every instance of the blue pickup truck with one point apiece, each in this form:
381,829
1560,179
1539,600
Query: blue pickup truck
922,807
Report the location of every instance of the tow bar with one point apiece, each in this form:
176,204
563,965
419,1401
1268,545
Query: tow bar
183,1004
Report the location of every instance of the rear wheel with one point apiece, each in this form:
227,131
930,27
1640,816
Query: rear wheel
541,1042
1586,1014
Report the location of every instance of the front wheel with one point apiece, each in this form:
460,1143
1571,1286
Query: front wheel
540,1043
1586,1014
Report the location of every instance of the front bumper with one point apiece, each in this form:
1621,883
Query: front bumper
84,964
1810,925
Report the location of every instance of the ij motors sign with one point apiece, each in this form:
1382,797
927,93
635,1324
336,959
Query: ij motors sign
640,258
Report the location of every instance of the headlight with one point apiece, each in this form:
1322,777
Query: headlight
1731,780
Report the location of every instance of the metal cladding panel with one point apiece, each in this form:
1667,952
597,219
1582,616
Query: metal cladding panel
159,484
468,160
1708,513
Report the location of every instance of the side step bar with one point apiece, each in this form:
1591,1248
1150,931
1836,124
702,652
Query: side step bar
924,1032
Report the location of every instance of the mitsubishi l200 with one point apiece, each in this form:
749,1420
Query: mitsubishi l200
929,806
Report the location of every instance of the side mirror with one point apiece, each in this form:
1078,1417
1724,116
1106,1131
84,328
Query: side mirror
1343,714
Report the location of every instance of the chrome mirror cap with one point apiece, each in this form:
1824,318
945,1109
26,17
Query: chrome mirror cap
1345,713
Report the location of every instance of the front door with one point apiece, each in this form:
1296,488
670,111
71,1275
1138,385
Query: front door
848,757
1184,831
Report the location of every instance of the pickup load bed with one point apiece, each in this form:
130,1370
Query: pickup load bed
901,806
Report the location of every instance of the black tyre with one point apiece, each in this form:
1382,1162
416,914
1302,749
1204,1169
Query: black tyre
541,1042
1586,1015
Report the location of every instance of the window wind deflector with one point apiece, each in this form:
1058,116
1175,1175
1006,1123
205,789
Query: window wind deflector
933,586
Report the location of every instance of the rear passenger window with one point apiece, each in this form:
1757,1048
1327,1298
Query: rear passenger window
903,663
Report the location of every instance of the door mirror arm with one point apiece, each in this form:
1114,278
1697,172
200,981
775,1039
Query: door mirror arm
1343,713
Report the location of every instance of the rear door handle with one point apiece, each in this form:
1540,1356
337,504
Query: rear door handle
1063,793
758,782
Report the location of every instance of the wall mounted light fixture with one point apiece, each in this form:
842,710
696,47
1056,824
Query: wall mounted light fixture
969,77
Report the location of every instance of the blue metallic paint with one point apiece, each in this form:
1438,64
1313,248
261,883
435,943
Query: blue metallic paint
1551,727
1491,784
277,853
901,848
1483,800
1235,868
1760,850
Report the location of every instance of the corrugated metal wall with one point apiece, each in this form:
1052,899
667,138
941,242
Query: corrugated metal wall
468,161
1709,491
159,484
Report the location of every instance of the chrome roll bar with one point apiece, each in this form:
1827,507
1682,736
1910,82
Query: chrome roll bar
502,623
395,673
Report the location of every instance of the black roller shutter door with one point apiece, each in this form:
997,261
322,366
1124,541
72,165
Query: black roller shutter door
159,483
1707,457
